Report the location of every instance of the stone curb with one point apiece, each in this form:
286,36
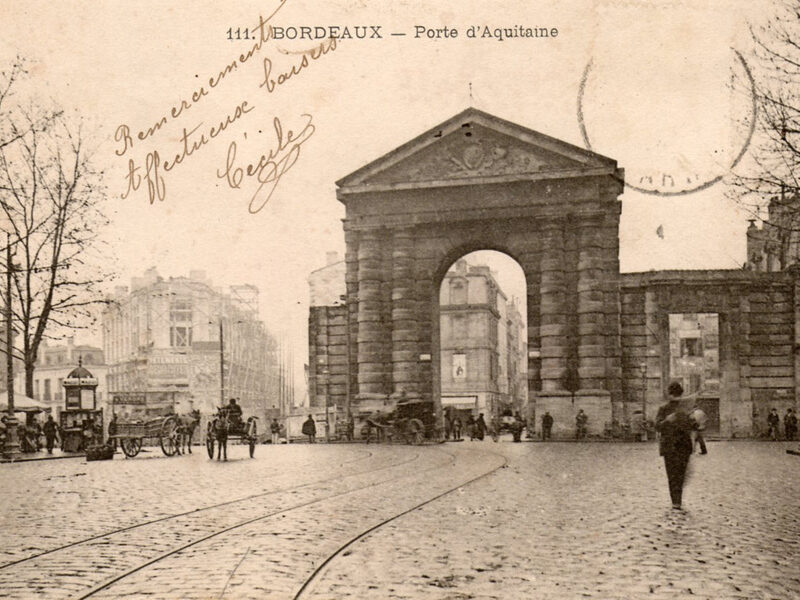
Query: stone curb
40,458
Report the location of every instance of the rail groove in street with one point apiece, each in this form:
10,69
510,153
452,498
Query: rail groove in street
306,586
202,509
173,551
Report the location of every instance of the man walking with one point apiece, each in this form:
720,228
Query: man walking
275,430
310,429
480,427
675,443
547,426
580,424
773,420
471,426
790,424
50,433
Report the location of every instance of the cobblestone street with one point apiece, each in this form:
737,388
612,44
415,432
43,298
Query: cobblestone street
468,520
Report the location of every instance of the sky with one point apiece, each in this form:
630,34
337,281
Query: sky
647,84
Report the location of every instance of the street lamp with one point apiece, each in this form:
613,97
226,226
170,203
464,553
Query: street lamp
643,371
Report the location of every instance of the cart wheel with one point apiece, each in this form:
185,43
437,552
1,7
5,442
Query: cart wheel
169,436
130,446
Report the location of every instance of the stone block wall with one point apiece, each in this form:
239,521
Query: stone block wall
758,324
328,346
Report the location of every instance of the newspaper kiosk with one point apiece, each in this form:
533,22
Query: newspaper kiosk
81,421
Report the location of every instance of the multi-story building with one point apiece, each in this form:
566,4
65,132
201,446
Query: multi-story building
482,358
54,364
776,245
517,359
327,339
182,343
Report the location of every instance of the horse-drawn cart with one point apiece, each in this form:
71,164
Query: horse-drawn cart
132,434
226,426
413,421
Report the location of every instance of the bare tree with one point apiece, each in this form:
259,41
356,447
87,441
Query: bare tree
51,211
771,175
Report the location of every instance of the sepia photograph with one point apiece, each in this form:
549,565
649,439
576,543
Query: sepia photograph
419,299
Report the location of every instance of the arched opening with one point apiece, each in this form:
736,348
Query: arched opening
480,353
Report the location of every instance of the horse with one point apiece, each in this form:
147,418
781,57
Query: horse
186,426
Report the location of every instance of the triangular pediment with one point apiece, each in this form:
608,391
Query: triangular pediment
475,147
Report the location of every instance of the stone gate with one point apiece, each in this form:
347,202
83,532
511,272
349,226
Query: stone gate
477,182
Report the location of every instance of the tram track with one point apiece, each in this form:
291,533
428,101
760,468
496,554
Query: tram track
176,550
202,509
316,574
114,558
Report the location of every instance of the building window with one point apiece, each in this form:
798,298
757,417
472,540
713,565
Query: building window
47,390
690,347
180,311
180,337
459,327
180,318
458,292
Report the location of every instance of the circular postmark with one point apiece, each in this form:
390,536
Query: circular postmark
685,178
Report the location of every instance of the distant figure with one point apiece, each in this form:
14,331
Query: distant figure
580,424
675,444
700,420
275,430
3,432
471,426
790,424
310,429
518,427
638,426
448,423
480,427
547,426
773,420
234,414
112,431
350,433
50,433
457,428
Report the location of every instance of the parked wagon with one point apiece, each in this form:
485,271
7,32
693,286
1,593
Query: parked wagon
413,422
132,434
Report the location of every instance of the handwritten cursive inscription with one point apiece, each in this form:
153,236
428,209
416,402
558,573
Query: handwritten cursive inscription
270,167
153,164
315,53
265,32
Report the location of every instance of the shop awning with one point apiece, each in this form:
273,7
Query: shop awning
22,403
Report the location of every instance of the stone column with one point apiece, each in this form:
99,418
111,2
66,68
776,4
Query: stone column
372,333
351,286
657,354
405,339
591,315
553,317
